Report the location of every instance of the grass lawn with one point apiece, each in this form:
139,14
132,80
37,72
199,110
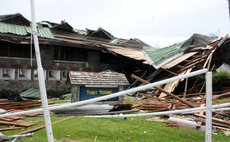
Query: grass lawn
135,129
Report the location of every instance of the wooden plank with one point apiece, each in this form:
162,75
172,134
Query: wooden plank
227,94
195,59
226,123
169,87
191,65
16,117
185,88
178,60
199,123
162,90
6,119
34,114
17,123
9,128
170,72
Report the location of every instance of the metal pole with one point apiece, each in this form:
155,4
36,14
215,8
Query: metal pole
41,79
208,119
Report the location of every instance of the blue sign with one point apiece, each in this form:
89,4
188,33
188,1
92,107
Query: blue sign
93,92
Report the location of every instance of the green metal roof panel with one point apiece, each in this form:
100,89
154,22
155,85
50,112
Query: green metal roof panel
24,30
13,29
45,32
30,94
161,56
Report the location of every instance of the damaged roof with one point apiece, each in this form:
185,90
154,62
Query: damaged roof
137,54
97,78
100,39
100,32
16,19
162,56
136,43
24,30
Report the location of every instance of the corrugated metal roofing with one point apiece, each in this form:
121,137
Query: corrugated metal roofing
162,56
30,94
100,78
24,30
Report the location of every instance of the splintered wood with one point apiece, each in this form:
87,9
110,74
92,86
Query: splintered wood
18,121
169,101
156,106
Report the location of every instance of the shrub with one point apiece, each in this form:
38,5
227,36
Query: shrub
221,74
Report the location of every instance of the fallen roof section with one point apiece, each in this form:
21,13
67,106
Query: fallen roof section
30,94
162,56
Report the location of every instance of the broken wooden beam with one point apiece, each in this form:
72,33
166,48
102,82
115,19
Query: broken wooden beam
162,90
9,128
227,123
17,123
227,94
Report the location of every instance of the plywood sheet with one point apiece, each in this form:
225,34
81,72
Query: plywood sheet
178,60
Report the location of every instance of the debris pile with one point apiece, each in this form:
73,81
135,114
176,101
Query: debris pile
16,122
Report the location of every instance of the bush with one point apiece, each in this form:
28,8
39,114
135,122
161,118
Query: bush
5,93
221,74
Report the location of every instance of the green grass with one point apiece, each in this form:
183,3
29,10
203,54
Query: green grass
220,101
118,130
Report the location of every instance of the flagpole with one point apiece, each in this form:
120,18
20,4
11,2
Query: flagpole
41,78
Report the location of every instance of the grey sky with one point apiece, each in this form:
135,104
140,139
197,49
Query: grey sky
157,22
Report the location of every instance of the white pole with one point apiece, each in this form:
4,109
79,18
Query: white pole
183,111
189,110
41,79
208,119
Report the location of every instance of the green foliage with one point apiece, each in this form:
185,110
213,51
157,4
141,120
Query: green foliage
221,74
119,130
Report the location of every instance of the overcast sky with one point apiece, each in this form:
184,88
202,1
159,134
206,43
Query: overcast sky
157,22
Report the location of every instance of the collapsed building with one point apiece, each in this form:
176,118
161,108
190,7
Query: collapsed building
64,48
197,52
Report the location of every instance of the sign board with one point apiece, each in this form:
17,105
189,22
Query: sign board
93,92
